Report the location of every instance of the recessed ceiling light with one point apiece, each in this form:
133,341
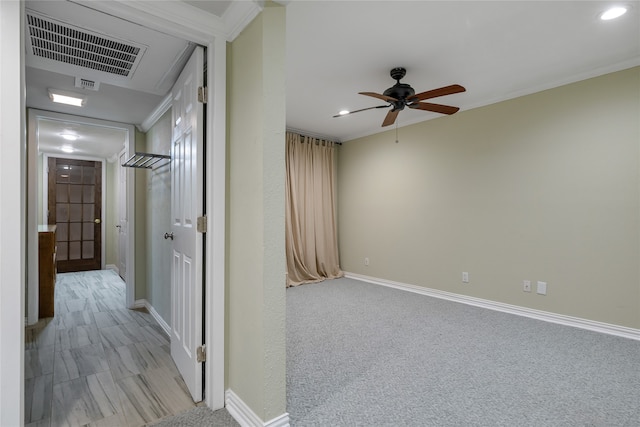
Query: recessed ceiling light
68,98
613,13
69,136
343,112
67,149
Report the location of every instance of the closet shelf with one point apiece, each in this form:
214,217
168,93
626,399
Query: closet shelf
146,160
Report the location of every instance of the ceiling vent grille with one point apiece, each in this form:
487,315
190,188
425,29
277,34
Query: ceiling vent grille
63,43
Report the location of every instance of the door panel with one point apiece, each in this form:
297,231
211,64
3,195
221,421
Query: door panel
75,206
186,205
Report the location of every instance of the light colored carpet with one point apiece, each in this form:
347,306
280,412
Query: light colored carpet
365,355
199,417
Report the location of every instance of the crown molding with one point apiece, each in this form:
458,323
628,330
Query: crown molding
155,115
238,16
181,19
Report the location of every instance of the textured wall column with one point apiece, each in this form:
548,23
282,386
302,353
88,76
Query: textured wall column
255,251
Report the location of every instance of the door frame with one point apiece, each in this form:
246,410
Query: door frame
13,187
164,16
34,115
103,195
171,18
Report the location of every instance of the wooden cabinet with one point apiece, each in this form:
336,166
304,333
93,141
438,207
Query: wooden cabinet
47,269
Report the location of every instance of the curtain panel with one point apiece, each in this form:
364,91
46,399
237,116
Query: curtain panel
311,230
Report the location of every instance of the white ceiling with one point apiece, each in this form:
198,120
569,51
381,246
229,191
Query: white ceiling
335,49
496,49
119,98
93,140
215,7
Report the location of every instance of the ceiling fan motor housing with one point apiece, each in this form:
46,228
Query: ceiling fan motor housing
400,91
398,73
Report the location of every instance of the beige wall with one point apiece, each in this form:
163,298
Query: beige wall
543,187
158,221
255,229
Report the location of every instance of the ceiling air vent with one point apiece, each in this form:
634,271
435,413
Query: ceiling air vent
61,42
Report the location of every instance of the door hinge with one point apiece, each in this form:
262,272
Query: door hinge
201,354
203,94
201,225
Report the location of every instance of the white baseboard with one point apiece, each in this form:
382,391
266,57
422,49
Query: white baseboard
113,267
143,303
246,417
576,322
140,303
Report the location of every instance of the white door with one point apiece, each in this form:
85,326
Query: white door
186,205
123,222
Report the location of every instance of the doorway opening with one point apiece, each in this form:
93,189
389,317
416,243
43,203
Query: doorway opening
102,142
75,208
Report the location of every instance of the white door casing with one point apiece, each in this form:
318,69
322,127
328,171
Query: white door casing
123,220
186,206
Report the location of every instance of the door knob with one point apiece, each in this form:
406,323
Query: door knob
168,236
97,221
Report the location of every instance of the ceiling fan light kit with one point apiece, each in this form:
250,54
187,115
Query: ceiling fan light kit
402,95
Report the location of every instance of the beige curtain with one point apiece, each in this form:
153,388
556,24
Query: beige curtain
311,232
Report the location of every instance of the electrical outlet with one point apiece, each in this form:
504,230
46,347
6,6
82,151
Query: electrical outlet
542,288
366,261
526,285
465,277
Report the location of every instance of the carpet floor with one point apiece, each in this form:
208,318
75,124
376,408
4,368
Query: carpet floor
199,417
365,355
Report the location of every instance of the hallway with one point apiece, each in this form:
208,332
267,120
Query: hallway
97,363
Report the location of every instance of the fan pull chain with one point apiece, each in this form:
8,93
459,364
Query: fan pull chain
396,132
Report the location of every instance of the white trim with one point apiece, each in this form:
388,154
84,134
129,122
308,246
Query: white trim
113,267
183,20
13,244
203,33
238,16
103,215
216,210
173,18
243,414
561,319
155,115
143,303
34,117
130,148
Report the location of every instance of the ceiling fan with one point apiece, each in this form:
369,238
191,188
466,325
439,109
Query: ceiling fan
402,95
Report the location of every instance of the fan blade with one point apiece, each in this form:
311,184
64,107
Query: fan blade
391,118
436,108
377,95
447,90
363,109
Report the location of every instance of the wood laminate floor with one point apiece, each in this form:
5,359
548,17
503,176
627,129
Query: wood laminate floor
96,363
